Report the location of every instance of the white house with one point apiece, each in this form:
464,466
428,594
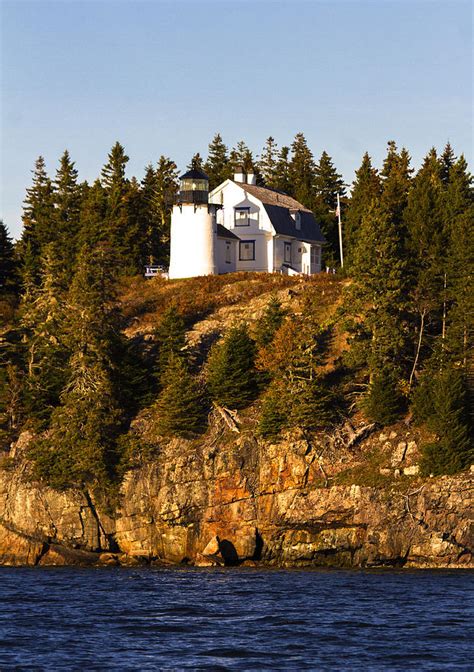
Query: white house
240,227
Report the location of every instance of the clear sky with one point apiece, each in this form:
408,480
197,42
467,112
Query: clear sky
164,77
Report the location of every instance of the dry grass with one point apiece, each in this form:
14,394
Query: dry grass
143,301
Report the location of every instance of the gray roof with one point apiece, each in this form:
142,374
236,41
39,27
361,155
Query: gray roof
222,232
278,206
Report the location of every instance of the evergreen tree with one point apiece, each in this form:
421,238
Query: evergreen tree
383,402
313,405
113,173
217,166
302,172
196,163
268,163
396,180
426,247
67,200
166,187
8,280
42,325
170,338
80,448
282,180
270,322
447,161
276,409
242,158
447,416
327,184
365,190
93,216
377,300
231,375
181,408
38,222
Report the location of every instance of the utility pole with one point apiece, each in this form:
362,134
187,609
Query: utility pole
338,212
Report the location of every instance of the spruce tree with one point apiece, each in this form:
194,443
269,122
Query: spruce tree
8,279
312,404
276,410
196,162
302,172
80,448
93,216
449,420
383,402
270,322
396,181
365,190
42,312
166,187
217,166
181,408
378,295
170,337
282,178
38,222
268,163
231,375
426,247
67,200
327,184
242,158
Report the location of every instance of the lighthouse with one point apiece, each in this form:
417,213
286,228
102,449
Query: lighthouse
193,229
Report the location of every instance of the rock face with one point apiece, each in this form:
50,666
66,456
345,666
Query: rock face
244,501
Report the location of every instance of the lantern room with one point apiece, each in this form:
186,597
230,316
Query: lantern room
193,187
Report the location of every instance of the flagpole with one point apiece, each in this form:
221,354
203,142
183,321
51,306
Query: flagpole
340,229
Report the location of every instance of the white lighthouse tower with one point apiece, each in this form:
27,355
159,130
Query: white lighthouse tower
193,229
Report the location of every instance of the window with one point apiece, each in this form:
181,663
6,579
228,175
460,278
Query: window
315,255
242,216
228,258
288,253
247,250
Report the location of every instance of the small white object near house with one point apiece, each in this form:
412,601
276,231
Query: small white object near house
240,226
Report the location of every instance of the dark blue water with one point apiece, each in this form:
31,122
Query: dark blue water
190,619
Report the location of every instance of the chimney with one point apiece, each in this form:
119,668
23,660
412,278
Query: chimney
239,175
251,178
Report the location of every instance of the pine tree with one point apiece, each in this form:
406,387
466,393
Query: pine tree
217,166
242,158
231,378
366,189
269,323
449,420
67,200
181,408
268,163
113,173
447,161
38,222
302,172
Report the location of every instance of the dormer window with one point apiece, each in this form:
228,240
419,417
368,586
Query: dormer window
296,217
242,216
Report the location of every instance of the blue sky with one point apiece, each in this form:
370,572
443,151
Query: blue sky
163,77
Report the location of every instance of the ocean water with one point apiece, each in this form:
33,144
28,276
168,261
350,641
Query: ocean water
235,619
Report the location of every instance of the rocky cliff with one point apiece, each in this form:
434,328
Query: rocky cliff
233,499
